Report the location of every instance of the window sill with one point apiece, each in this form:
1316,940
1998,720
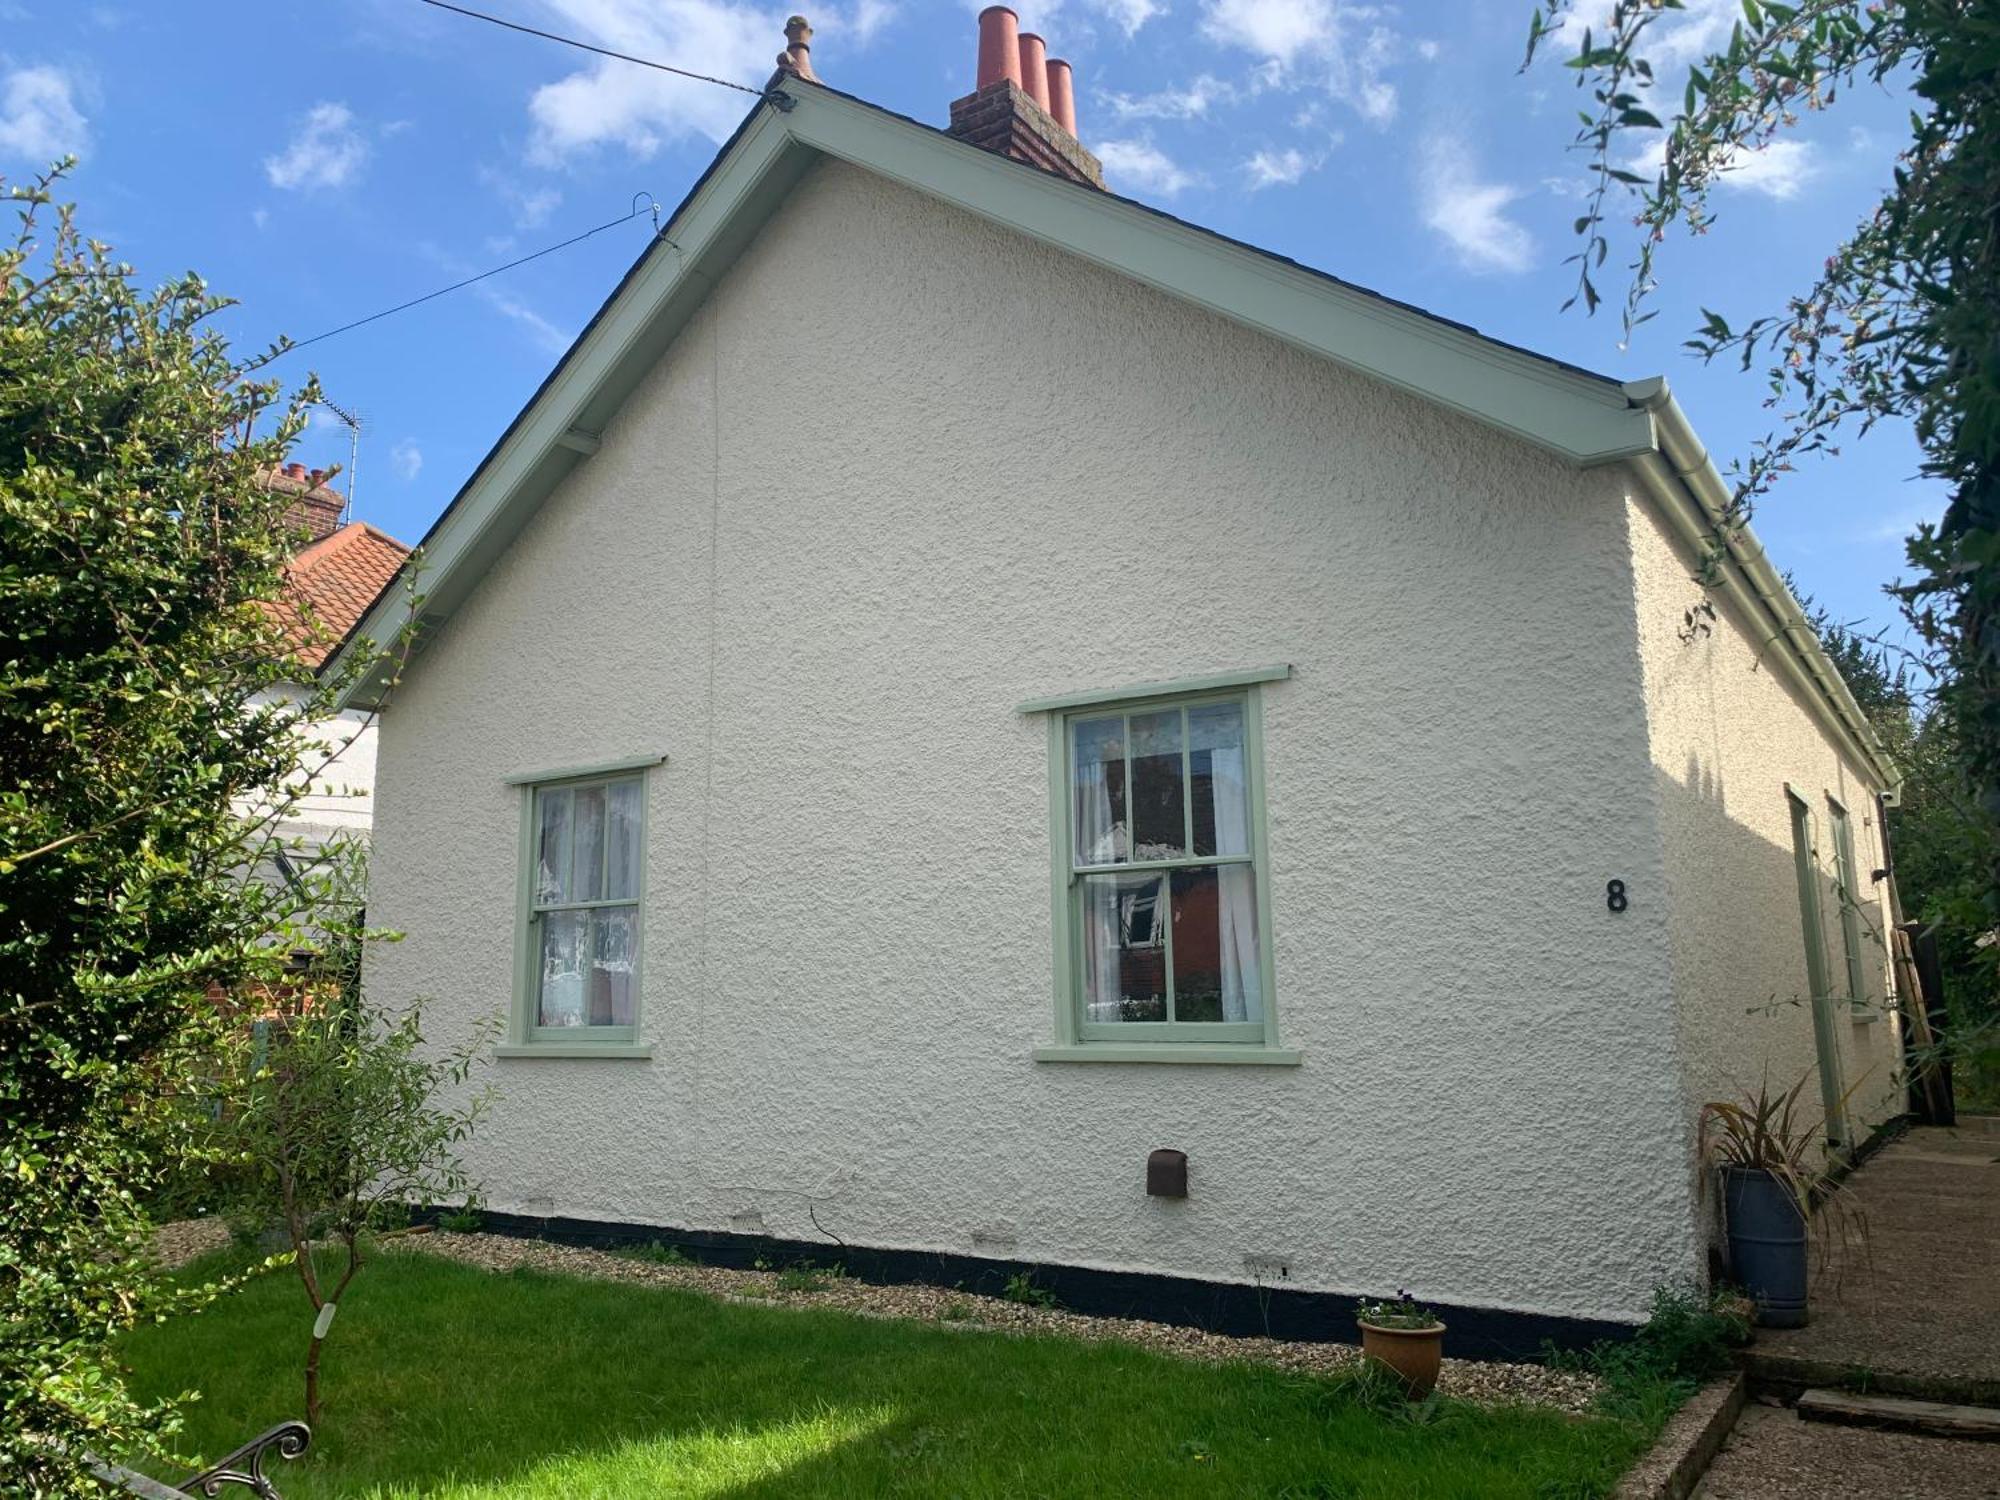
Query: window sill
1171,1052
628,1051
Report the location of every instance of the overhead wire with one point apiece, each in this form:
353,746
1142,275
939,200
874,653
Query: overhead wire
570,41
649,206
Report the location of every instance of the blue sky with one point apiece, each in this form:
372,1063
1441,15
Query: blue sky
319,161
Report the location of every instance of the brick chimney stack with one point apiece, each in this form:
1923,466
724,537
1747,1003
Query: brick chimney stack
1023,104
316,508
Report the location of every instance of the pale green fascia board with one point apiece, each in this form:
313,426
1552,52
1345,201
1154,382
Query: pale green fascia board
601,1051
593,381
1581,419
578,773
1179,687
1171,1052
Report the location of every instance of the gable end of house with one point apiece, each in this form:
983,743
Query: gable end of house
1583,419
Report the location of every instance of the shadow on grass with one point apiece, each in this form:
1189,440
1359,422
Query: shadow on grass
442,1380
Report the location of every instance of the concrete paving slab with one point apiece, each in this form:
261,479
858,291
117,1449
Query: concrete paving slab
1772,1455
1917,1313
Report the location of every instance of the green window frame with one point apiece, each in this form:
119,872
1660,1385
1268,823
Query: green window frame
1851,937
1108,872
583,875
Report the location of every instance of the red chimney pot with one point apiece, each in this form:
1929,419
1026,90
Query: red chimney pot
1062,94
295,471
1034,68
999,45
1024,106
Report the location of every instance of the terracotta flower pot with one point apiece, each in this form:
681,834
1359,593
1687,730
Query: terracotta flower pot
1411,1354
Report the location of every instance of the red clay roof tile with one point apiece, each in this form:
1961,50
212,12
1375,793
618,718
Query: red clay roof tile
330,584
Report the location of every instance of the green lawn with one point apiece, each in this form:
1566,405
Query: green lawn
445,1380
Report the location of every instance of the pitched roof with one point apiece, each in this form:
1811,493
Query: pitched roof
330,585
1584,419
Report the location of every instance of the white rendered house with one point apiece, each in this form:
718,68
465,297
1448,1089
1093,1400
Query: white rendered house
959,682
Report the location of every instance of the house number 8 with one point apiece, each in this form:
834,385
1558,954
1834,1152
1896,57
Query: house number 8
1614,895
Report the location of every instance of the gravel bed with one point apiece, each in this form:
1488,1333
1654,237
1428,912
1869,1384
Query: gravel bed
188,1239
1489,1384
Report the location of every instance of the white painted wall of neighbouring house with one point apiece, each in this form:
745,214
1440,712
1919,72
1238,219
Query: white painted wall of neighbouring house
339,752
1729,734
904,471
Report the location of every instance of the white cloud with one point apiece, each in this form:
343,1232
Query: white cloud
39,120
1339,45
1142,165
1678,39
407,459
1130,14
640,109
1280,29
1043,17
532,210
1470,214
1038,16
1779,170
1192,101
1280,168
261,217
327,152
544,334
869,17
1672,39
529,205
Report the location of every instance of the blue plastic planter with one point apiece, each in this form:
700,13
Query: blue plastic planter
1767,1244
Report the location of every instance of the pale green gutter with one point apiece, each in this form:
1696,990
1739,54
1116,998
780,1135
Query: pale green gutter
1683,478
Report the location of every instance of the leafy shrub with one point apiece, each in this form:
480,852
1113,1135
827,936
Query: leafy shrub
1688,1339
139,547
1021,1288
807,1277
1403,1311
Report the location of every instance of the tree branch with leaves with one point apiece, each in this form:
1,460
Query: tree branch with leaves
141,548
336,1114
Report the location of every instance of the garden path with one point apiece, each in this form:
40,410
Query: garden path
1916,1313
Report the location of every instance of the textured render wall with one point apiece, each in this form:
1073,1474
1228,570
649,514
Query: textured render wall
905,471
1729,734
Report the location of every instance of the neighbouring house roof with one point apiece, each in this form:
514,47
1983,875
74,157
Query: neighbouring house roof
1582,418
330,585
